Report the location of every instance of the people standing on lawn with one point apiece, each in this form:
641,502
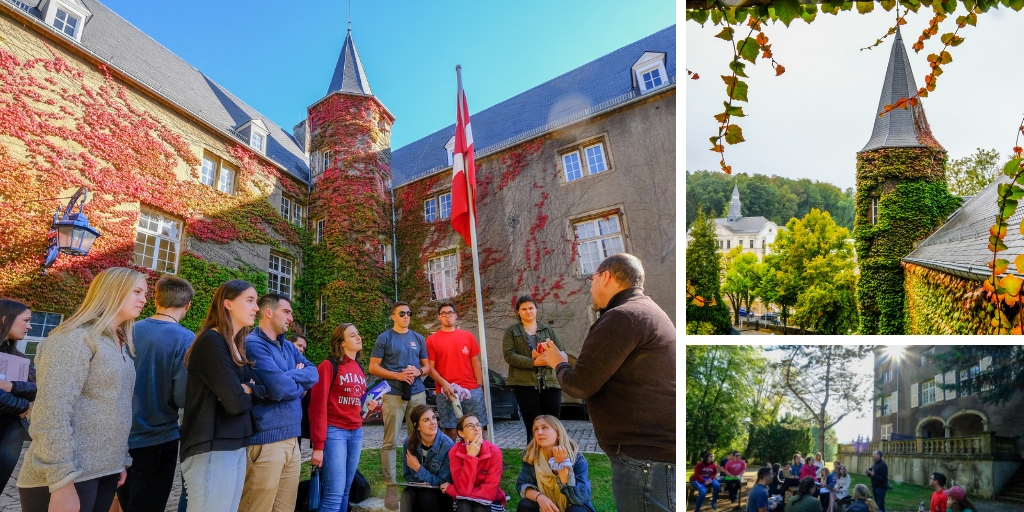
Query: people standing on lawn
554,476
937,482
16,396
400,357
336,417
533,381
757,500
160,378
705,474
217,425
957,500
734,470
426,462
804,501
626,370
454,357
274,459
83,410
879,473
476,469
861,501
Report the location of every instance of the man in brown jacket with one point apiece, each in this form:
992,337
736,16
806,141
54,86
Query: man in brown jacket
627,373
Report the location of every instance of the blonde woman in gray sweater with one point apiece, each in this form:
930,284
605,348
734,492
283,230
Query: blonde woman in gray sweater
83,409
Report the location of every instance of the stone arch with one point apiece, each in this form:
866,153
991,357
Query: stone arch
931,427
967,422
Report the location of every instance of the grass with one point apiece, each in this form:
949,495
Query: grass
600,473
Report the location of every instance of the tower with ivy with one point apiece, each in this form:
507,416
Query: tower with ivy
347,272
901,196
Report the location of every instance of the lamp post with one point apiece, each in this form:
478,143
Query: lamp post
70,232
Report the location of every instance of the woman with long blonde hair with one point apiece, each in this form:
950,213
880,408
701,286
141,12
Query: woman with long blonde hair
861,501
551,463
83,412
217,424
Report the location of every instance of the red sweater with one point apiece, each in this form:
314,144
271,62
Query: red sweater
476,477
939,500
341,406
704,472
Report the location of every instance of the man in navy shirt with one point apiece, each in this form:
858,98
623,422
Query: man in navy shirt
757,500
400,357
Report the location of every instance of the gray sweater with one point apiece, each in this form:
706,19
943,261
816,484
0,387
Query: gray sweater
87,384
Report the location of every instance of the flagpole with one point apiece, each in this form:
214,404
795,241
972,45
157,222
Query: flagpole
476,284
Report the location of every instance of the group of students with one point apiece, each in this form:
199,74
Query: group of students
107,413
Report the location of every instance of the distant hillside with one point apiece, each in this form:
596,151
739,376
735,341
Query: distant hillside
774,197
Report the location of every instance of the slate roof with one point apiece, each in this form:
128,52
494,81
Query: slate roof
348,73
595,86
900,127
122,45
960,246
744,224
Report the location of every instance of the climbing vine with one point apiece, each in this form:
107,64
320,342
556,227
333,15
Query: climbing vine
939,303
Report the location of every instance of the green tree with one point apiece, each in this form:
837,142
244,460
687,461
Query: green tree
819,379
703,271
829,452
717,387
997,381
828,303
967,176
743,274
764,401
778,439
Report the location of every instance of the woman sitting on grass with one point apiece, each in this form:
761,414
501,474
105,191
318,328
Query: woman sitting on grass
476,469
861,501
804,500
426,462
554,474
957,500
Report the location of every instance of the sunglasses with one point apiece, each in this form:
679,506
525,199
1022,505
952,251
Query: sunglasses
590,278
405,313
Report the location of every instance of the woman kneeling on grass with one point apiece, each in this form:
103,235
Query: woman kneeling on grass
476,469
426,462
554,475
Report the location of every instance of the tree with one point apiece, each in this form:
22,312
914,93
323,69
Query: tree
763,403
1000,379
811,267
777,440
703,271
829,451
717,387
818,378
743,275
967,176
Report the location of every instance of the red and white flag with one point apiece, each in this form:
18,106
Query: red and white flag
463,171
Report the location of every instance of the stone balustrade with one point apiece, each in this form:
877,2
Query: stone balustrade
984,444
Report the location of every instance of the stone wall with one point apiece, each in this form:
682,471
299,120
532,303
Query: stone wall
978,475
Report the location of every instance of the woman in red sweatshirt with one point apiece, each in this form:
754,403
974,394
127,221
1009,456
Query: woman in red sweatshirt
476,469
705,475
336,419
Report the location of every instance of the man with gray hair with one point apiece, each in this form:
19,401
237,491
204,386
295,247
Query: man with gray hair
627,373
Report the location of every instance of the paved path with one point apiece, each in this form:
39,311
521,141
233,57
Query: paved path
507,434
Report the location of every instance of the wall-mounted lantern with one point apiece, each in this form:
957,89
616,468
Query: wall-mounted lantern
70,232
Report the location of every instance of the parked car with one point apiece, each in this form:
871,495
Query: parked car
743,311
503,399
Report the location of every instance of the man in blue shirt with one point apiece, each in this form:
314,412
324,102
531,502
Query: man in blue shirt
272,469
757,500
400,357
160,346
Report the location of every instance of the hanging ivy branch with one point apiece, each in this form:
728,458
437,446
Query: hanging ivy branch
900,20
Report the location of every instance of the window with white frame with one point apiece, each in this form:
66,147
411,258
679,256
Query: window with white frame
226,183
886,432
652,79
573,169
326,161
42,323
320,230
279,275
874,210
442,273
586,159
928,392
256,140
217,173
66,23
444,202
208,174
298,214
323,308
286,207
596,240
430,210
291,210
649,72
887,377
728,244
386,253
927,356
595,159
887,405
157,242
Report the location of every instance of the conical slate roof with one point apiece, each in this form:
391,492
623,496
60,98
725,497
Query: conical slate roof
348,74
900,127
734,205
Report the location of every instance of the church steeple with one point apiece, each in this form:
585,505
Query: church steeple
348,73
734,205
900,128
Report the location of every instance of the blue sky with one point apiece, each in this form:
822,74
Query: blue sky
279,56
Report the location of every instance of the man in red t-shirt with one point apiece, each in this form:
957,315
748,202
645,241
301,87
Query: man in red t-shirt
937,482
455,359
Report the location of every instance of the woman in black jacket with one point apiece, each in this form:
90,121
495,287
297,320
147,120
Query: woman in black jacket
535,385
217,424
16,397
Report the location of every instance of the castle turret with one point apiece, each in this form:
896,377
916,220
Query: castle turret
901,196
734,206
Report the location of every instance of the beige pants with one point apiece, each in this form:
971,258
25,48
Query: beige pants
393,410
271,477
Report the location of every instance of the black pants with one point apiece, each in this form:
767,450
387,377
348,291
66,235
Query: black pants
533,403
470,506
150,478
94,495
418,499
786,484
879,497
526,505
12,438
733,486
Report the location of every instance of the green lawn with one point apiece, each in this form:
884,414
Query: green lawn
600,473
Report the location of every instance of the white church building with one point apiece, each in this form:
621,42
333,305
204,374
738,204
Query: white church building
753,234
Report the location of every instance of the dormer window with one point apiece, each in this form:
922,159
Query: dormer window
66,23
255,132
66,16
450,148
256,141
649,72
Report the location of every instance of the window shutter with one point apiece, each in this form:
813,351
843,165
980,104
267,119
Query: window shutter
878,407
938,387
950,380
895,402
984,365
913,395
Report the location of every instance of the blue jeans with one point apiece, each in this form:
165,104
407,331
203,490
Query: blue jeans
341,458
214,480
643,485
702,491
879,498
